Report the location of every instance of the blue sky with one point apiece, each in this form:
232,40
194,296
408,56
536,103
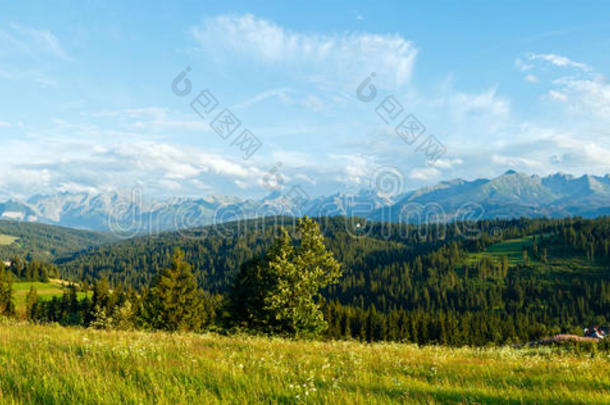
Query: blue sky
88,105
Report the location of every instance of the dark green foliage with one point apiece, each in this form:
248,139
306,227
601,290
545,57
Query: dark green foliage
47,242
174,301
102,304
7,305
280,293
247,298
106,309
31,304
32,271
399,283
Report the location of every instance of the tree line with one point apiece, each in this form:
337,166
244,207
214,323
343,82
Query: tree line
396,282
277,293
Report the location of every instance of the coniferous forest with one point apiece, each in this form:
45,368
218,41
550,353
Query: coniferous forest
489,282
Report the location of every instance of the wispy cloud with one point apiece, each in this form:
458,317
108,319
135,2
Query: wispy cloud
32,41
151,118
346,56
424,173
578,85
280,93
557,95
558,60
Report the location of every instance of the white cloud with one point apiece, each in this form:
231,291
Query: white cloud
355,169
469,115
425,173
581,152
186,125
487,102
531,78
154,112
446,163
33,42
292,158
515,161
301,177
313,103
585,92
524,67
86,164
320,57
153,118
559,61
589,94
281,93
557,95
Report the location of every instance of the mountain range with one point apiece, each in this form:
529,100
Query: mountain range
509,195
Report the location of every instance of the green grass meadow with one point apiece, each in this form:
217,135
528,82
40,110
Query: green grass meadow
6,240
560,263
53,364
512,249
45,291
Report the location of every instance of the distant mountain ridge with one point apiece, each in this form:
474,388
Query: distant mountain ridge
509,195
514,194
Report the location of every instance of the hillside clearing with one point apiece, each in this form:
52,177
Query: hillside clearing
46,291
6,240
512,249
51,364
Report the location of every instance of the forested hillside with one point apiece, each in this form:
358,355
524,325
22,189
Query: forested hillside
491,281
44,242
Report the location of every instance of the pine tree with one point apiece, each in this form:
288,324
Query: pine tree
31,302
100,305
174,301
7,306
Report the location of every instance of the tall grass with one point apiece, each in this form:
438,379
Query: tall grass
53,364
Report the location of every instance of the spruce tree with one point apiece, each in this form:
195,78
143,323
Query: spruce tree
7,305
31,302
101,305
174,300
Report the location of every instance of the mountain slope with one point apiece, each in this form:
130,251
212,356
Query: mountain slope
519,279
510,195
45,242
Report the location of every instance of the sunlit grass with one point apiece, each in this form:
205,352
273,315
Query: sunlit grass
51,364
512,249
7,239
561,262
45,291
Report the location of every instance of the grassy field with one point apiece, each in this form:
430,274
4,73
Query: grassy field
561,262
51,364
46,291
6,240
512,249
